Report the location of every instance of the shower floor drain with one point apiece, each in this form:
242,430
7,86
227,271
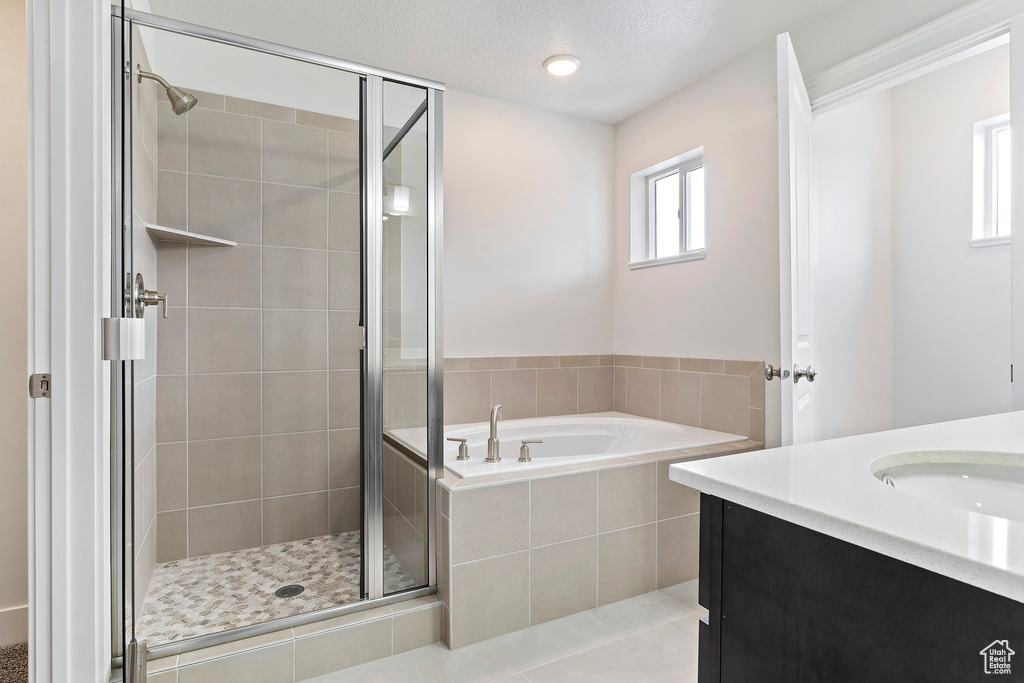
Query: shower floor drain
289,591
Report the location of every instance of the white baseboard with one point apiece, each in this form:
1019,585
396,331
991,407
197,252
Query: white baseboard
13,625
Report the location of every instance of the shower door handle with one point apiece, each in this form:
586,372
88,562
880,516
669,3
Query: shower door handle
147,297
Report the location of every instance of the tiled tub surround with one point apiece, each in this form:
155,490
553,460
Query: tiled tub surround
213,593
520,550
304,652
405,512
258,380
723,395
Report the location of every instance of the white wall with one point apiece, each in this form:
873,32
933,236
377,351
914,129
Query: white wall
527,230
951,303
726,306
852,208
13,327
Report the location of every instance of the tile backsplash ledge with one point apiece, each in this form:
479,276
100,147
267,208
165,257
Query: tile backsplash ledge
714,393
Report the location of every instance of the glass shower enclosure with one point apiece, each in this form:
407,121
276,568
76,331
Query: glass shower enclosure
275,258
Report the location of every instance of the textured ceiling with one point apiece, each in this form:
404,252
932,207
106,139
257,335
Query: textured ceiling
634,52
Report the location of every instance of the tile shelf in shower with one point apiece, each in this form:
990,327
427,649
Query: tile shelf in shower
164,234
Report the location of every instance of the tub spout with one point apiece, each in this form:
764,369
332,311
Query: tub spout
492,442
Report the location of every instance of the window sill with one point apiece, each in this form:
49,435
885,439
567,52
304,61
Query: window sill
989,241
695,255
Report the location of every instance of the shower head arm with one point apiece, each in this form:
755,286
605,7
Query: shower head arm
147,74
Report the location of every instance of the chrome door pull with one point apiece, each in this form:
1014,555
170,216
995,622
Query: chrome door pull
810,373
147,297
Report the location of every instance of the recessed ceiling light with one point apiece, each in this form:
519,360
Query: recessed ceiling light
562,65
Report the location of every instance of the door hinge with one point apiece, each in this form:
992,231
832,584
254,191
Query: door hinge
135,662
362,337
39,385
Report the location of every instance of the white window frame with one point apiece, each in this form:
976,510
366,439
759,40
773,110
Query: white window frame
643,228
986,160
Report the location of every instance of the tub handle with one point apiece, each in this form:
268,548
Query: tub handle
524,450
463,448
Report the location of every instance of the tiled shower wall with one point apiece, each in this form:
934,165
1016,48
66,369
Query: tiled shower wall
258,379
405,511
144,197
724,395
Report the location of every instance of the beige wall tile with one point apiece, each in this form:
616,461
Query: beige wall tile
626,496
172,272
171,140
661,363
294,463
221,406
225,208
261,110
756,425
163,677
456,364
344,458
525,362
291,518
294,402
266,665
294,155
675,499
171,535
223,144
223,340
171,408
295,340
702,364
489,598
740,367
344,397
341,648
724,403
467,397
507,529
411,550
171,476
579,361
294,278
678,550
417,628
626,563
346,506
221,276
596,389
317,120
234,647
345,340
680,397
172,200
220,528
757,389
345,221
344,281
516,391
295,216
491,363
620,384
629,361
172,352
207,100
563,579
557,391
643,392
563,508
344,162
223,471
344,621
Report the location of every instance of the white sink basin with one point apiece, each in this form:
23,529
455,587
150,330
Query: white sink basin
987,483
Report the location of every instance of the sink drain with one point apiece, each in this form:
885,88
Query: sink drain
289,591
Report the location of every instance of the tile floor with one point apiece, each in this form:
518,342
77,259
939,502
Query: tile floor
213,593
651,638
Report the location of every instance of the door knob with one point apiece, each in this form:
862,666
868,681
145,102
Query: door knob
771,372
810,373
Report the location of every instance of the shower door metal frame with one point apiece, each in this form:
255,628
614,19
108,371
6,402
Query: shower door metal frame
372,161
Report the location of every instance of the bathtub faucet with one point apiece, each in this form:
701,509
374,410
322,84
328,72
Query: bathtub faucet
492,442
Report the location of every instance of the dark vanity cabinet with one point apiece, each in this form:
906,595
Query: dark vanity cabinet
788,604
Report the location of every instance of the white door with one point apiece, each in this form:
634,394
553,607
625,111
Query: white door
796,249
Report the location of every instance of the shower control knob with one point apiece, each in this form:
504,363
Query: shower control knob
463,448
809,374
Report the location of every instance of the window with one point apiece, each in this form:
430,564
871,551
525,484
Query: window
667,211
991,182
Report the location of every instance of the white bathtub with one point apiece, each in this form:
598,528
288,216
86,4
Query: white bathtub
568,440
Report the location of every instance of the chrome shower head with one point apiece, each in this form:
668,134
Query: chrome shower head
181,101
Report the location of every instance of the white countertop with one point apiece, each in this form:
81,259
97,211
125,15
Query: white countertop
828,486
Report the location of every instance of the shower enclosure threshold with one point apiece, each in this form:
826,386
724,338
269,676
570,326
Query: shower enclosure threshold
213,593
